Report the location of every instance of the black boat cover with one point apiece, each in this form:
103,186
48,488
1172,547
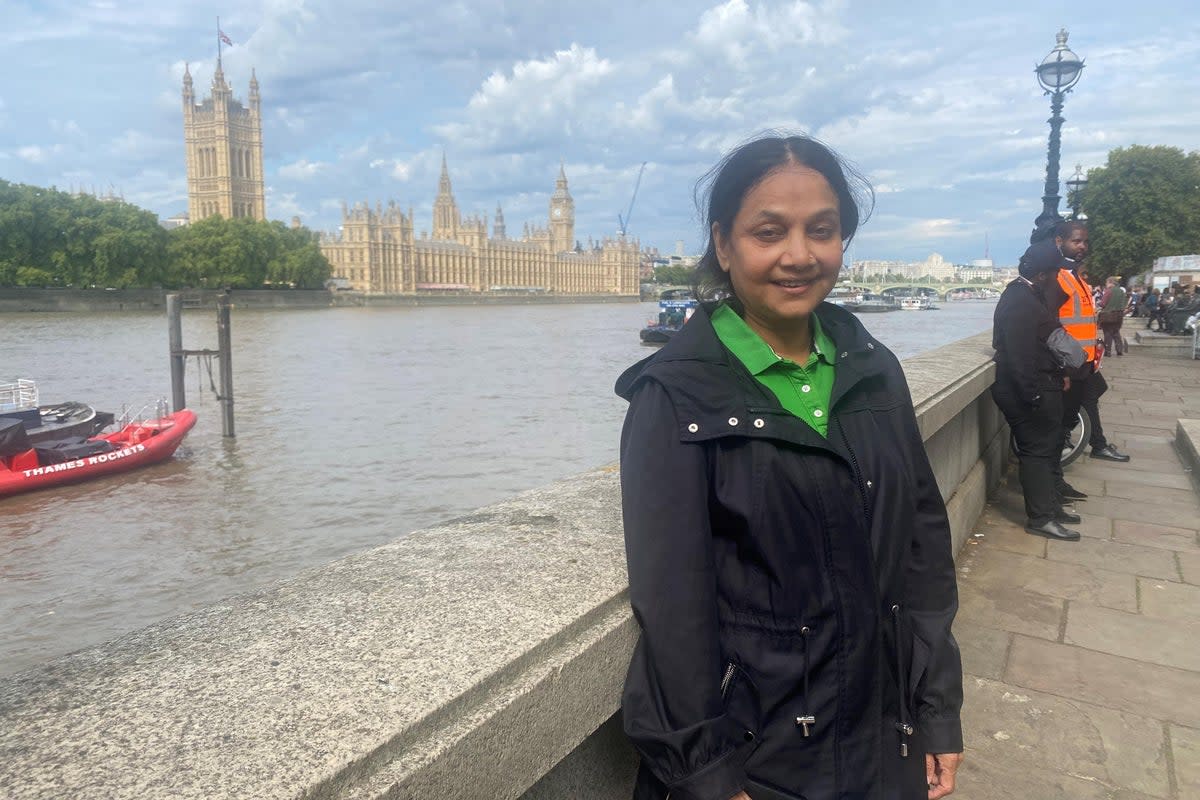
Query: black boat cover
13,438
69,449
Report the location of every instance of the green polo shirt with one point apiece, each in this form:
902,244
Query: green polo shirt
802,389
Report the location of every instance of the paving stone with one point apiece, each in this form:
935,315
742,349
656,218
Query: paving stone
1147,496
984,650
1158,512
1004,534
1153,562
1185,746
1172,643
994,570
1125,684
1116,749
1167,600
1109,471
1165,537
1010,609
993,777
1190,564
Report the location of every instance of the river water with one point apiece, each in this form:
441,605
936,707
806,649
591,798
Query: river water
354,427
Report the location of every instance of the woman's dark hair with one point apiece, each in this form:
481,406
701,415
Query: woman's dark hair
719,195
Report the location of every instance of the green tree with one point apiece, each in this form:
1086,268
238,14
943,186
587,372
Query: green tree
244,253
1142,204
673,275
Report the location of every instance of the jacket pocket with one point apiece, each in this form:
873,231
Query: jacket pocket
918,665
740,697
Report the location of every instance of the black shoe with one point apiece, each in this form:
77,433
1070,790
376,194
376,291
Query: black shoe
1067,517
1053,530
1069,492
1109,453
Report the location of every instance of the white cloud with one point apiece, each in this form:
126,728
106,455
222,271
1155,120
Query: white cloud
303,170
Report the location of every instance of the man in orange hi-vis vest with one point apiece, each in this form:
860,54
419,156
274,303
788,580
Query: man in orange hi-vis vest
1077,314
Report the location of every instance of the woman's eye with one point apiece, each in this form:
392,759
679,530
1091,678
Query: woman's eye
823,232
768,233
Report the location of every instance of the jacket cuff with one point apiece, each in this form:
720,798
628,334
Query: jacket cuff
718,780
942,735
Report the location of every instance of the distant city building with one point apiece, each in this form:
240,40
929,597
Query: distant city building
177,221
1184,270
933,267
224,151
974,273
377,251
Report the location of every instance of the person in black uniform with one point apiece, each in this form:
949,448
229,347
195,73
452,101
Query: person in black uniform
1029,388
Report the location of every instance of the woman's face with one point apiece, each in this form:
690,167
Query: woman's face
783,252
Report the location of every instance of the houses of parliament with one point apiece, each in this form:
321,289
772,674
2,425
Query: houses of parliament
377,250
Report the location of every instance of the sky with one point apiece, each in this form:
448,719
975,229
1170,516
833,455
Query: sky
936,103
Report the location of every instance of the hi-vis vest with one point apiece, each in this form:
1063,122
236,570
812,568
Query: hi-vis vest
1078,313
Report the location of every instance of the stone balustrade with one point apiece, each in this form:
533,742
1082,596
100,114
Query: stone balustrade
481,659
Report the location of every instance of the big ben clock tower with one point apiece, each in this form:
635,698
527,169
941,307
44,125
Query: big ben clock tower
562,215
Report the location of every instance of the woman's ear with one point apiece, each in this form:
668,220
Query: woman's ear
720,246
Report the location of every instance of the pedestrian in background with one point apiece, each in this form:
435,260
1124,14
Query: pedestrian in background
1029,387
1112,315
789,553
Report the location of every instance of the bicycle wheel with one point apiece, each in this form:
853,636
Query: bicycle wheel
1074,442
1076,439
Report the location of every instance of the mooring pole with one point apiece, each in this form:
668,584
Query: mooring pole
224,347
175,341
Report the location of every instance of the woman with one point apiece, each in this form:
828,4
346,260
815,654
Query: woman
788,549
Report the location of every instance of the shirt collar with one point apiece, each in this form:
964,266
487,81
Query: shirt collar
756,354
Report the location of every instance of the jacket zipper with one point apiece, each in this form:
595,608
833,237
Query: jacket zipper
727,679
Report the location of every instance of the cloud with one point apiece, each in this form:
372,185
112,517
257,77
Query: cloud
303,170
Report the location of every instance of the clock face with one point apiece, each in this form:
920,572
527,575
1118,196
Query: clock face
557,213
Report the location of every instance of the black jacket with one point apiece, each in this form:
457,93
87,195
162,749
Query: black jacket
1025,368
778,575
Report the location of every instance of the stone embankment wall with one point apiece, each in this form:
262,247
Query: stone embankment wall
479,659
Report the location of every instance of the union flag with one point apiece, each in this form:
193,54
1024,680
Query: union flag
223,37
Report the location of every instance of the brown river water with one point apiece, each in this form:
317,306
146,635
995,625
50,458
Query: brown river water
355,426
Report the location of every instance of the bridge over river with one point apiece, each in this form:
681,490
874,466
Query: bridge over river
483,658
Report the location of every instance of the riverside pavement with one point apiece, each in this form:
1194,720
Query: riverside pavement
1082,659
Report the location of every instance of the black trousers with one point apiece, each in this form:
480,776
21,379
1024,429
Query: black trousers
1039,434
1085,393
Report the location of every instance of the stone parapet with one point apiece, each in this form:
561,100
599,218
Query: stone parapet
481,659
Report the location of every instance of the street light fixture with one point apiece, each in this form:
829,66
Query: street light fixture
1075,185
1058,72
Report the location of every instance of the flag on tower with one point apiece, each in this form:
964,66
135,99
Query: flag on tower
224,38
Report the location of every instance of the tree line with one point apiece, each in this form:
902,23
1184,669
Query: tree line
55,239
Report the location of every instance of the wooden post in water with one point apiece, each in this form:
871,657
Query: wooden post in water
175,341
225,348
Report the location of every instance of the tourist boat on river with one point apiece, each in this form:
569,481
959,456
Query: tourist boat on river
675,308
43,423
25,467
917,303
869,303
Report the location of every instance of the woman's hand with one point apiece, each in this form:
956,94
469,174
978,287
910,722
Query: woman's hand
940,769
741,796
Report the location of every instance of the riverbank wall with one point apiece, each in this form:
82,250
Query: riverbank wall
110,300
482,658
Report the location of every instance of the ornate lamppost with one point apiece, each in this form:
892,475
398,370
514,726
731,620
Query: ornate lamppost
1075,185
1058,72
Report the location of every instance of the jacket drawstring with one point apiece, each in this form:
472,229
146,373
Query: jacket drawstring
805,719
903,726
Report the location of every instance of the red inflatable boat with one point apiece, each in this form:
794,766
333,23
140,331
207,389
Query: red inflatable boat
24,467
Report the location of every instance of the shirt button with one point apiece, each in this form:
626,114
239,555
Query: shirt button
845,354
818,413
869,484
870,345
693,427
758,423
806,388
733,421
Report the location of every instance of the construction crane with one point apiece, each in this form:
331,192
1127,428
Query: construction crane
623,223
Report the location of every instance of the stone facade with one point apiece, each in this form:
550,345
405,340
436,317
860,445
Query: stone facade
224,150
378,252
